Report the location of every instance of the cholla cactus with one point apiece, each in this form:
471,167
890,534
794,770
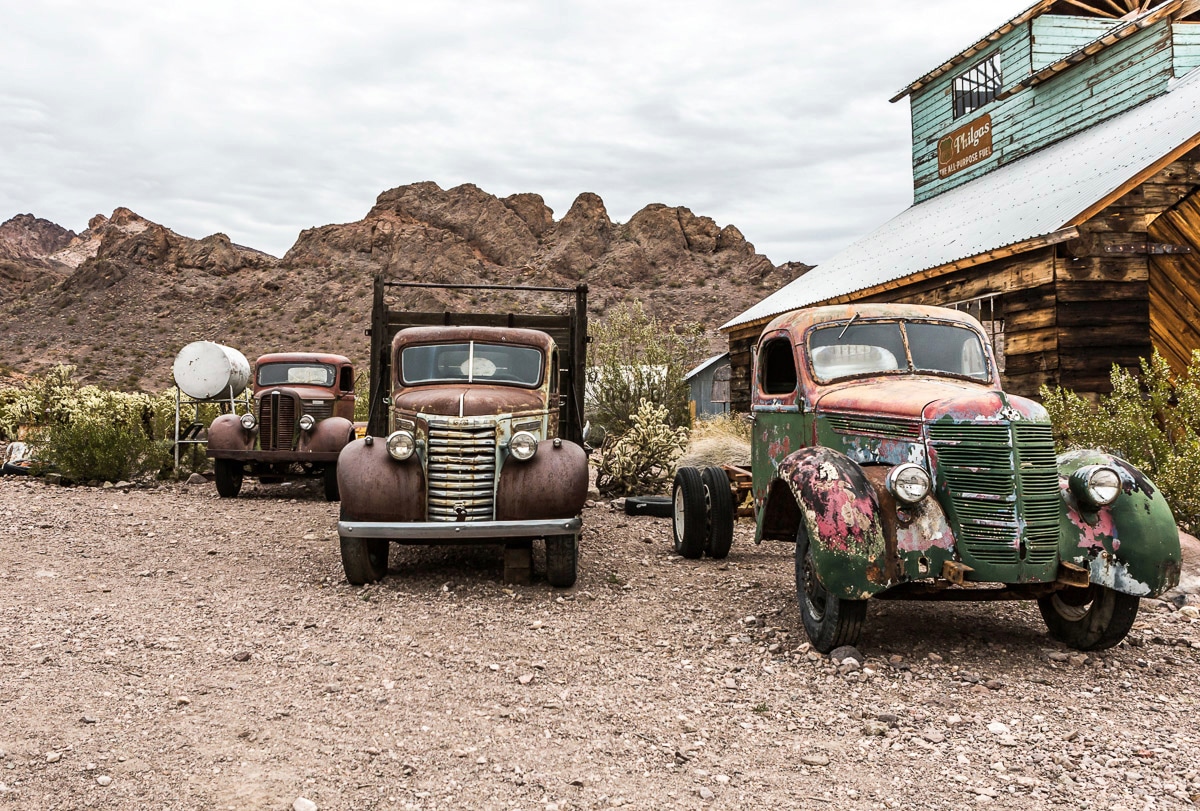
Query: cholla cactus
642,459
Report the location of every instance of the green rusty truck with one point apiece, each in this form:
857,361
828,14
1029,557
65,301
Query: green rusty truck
886,450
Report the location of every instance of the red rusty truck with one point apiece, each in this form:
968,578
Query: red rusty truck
476,434
302,417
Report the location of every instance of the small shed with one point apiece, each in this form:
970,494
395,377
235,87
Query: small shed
1056,177
709,385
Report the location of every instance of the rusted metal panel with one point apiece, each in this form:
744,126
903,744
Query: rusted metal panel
553,484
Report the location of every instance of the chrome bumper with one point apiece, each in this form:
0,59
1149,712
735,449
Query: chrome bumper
457,531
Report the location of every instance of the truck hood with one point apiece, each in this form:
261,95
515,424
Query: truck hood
474,400
930,400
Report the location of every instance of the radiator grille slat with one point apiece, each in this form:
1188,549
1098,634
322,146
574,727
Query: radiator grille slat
277,414
461,471
1003,486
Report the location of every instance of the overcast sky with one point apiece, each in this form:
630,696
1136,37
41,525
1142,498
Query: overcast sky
261,118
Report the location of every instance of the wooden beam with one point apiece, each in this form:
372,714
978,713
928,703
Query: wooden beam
1188,8
1093,9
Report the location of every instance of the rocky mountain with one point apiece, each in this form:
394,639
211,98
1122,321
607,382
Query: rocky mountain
121,298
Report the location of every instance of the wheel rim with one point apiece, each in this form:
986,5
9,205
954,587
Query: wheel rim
1073,604
677,522
815,595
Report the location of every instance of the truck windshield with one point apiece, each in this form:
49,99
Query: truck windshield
305,374
879,347
472,362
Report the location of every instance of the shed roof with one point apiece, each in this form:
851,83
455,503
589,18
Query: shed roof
706,364
1031,202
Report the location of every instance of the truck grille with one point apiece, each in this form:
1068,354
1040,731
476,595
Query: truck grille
320,410
277,414
907,430
462,471
1002,482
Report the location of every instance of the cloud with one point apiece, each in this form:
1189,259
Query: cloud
261,119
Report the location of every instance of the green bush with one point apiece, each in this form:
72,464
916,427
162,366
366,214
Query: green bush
636,357
642,459
1150,420
96,450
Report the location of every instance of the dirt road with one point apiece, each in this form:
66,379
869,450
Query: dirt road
169,649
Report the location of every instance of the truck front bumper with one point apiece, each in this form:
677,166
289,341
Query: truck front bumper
274,456
432,532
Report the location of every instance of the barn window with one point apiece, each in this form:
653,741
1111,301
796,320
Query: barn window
977,86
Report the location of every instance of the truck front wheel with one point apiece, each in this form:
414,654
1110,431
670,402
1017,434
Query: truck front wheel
1094,618
829,621
228,474
562,560
365,559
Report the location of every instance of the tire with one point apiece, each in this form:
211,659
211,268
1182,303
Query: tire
689,520
365,559
829,621
655,506
1094,618
331,485
562,560
719,538
228,474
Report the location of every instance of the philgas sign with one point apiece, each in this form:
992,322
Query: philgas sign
965,147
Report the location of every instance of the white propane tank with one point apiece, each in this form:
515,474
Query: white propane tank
205,370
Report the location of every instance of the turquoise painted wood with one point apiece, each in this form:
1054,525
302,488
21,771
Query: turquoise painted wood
1055,36
1187,47
1105,84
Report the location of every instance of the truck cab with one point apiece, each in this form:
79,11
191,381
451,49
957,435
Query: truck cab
886,450
301,418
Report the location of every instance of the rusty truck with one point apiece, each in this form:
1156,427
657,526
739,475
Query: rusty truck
301,418
886,450
475,435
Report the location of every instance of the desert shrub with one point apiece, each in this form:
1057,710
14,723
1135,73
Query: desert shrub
85,432
720,440
635,357
641,460
362,396
1150,420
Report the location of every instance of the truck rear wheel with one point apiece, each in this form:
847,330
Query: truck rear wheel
228,474
689,523
331,486
1094,618
365,559
562,560
829,621
719,538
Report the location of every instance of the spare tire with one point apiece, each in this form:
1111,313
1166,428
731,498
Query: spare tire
655,506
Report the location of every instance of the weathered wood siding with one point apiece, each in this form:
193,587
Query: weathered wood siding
1110,82
1175,278
1187,47
1057,35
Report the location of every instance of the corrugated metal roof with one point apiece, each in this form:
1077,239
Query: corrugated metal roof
1028,199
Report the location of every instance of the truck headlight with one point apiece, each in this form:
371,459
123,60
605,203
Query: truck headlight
248,422
307,421
523,445
909,483
1096,485
400,445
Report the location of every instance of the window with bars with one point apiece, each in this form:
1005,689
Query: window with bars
977,86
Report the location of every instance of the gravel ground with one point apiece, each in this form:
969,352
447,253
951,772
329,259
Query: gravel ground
166,649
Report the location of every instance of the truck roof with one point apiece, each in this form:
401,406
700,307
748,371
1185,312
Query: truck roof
301,357
800,320
491,335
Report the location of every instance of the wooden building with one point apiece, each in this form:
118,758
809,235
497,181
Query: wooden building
1056,164
708,387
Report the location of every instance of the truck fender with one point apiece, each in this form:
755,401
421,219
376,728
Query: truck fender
553,484
1132,545
840,510
327,436
227,434
376,487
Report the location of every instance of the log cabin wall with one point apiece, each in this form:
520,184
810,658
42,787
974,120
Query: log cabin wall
1175,277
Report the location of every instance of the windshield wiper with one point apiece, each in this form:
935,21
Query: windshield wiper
848,323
